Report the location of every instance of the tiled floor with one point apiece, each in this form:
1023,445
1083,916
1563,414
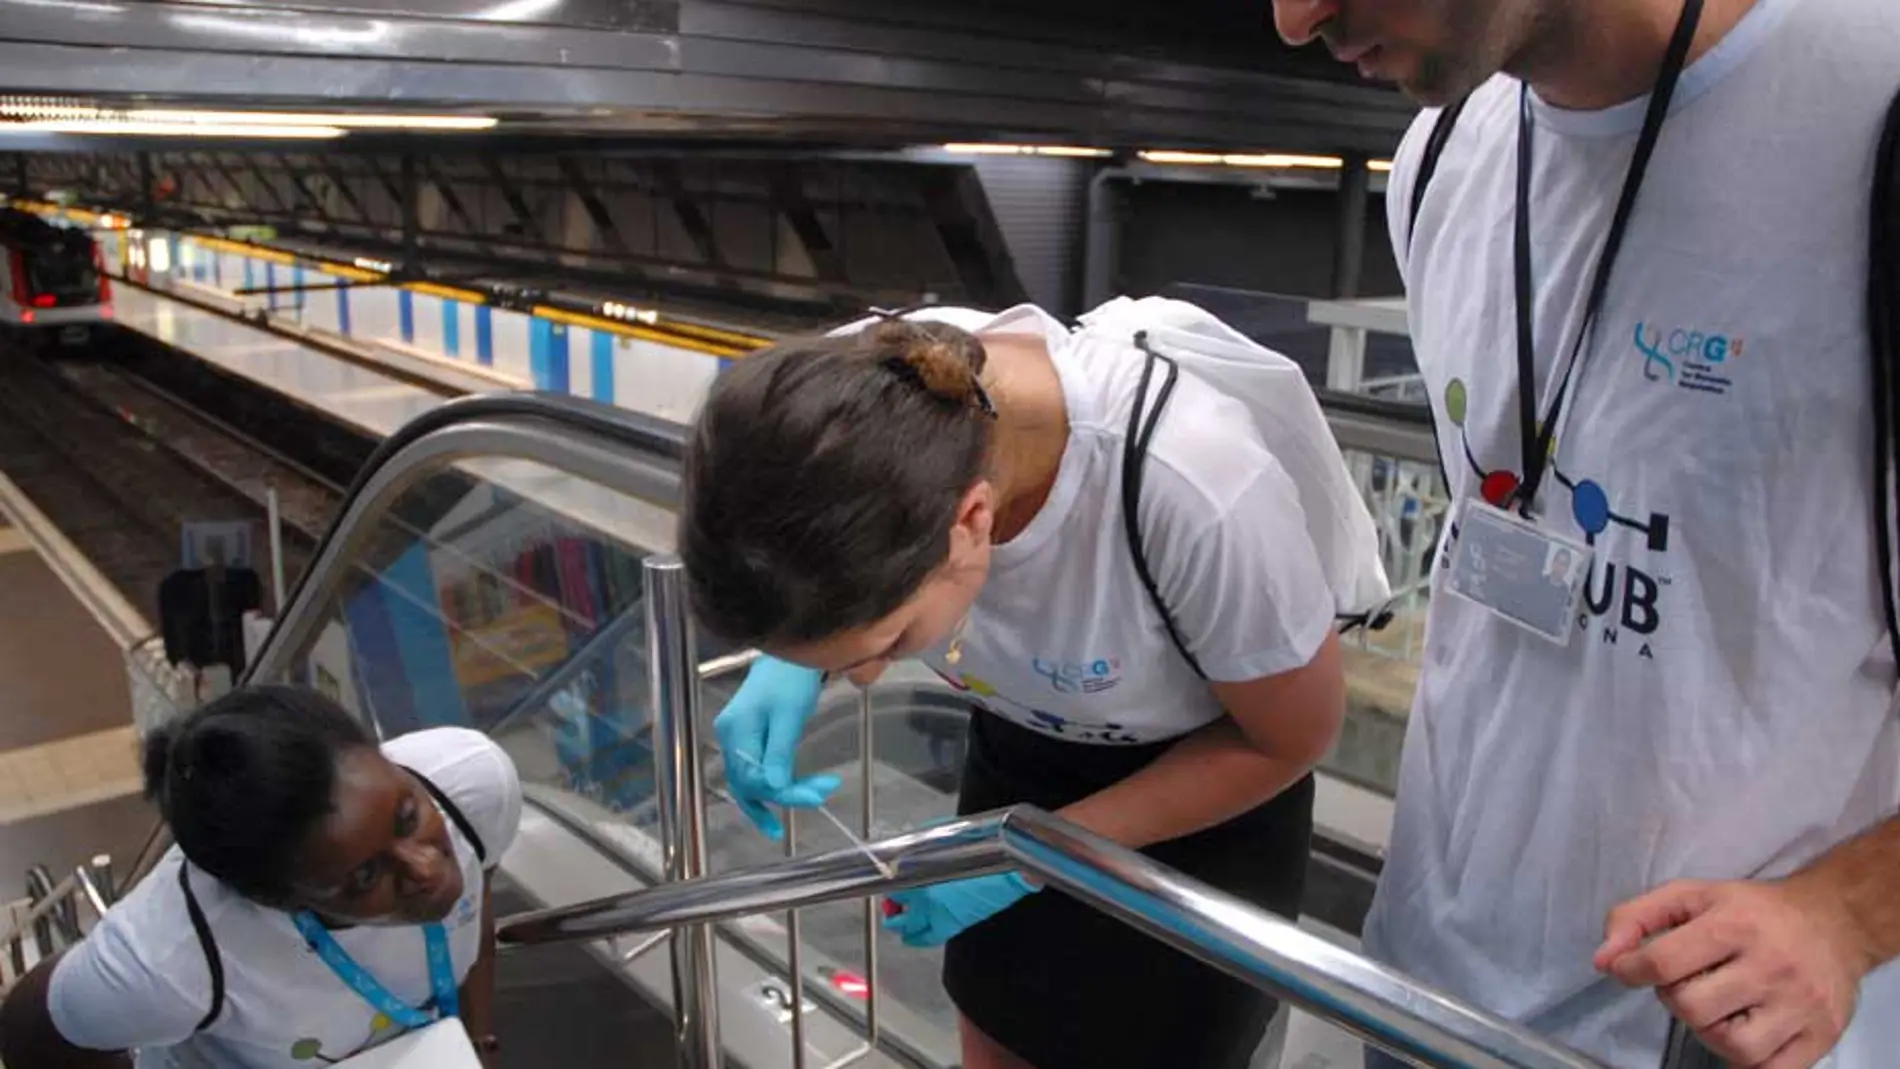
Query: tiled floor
56,776
60,675
69,768
65,840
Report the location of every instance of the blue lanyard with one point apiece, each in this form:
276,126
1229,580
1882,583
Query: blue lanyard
359,980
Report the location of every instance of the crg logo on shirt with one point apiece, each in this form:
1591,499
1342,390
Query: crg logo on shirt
1691,359
1080,677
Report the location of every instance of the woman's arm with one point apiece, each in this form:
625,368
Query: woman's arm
1276,730
478,987
28,1038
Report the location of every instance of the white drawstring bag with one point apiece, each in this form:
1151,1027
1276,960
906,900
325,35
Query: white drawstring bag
1288,417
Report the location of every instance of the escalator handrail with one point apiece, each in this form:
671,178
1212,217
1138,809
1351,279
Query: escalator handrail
610,424
652,446
1379,1005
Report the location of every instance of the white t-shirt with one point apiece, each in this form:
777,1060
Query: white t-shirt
140,980
1064,639
1725,708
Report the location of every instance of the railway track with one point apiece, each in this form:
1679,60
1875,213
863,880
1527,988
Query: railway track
120,463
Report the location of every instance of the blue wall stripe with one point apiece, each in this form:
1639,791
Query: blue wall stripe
484,335
250,273
603,367
377,663
406,312
547,356
217,269
422,640
452,327
270,283
343,310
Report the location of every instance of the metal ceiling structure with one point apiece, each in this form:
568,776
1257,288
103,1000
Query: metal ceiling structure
593,73
778,236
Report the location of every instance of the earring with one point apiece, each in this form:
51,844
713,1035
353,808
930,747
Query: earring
954,655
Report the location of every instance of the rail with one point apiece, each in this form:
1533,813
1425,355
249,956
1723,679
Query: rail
89,885
635,455
1377,1004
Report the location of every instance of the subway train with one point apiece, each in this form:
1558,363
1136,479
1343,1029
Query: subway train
54,292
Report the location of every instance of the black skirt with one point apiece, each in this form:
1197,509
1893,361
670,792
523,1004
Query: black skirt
1066,987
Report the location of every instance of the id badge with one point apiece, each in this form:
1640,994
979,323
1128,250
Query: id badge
1525,575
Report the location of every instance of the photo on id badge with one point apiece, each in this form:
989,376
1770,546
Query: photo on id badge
1527,576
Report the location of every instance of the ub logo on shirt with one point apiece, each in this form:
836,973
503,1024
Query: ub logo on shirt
1080,677
1691,359
1626,598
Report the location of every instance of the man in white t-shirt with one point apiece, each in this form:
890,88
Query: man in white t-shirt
1687,806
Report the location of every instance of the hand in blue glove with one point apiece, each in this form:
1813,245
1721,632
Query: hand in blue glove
930,916
759,730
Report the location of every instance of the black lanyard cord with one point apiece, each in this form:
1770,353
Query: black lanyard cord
1536,440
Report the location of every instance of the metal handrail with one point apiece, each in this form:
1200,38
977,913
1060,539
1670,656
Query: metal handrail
1378,1004
84,884
572,447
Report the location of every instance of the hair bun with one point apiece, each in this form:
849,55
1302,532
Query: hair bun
946,361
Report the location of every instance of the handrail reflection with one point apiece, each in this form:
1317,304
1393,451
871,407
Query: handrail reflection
1377,1004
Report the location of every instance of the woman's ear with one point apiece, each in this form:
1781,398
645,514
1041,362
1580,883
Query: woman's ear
976,517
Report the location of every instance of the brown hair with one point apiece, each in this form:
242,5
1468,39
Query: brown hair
823,477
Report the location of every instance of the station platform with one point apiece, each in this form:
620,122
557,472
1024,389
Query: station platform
69,770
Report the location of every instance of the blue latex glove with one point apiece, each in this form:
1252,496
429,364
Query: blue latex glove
759,730
930,916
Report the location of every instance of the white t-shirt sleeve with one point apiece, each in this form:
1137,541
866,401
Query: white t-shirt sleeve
477,775
1247,589
1398,189
136,980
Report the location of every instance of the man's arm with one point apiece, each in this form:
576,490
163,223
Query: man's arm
1862,877
28,1038
1766,972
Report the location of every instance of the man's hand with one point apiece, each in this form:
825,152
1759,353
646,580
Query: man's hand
1766,973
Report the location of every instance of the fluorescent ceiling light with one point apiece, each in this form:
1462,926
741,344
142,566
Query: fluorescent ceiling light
1380,166
1243,159
1183,159
345,120
517,10
38,110
1074,152
159,129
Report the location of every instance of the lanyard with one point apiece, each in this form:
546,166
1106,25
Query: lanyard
359,980
1538,439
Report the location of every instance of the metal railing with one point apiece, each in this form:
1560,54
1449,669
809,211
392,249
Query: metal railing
55,911
1373,1002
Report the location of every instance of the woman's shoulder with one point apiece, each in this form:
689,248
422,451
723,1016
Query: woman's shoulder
1206,450
474,772
147,948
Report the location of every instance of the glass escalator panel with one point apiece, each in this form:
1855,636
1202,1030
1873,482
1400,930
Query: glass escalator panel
479,582
1409,503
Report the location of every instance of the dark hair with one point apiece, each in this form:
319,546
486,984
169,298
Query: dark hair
824,475
244,779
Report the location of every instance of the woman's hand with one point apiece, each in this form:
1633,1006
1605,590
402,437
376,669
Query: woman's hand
931,916
759,731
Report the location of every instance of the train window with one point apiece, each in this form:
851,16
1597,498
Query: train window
62,275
